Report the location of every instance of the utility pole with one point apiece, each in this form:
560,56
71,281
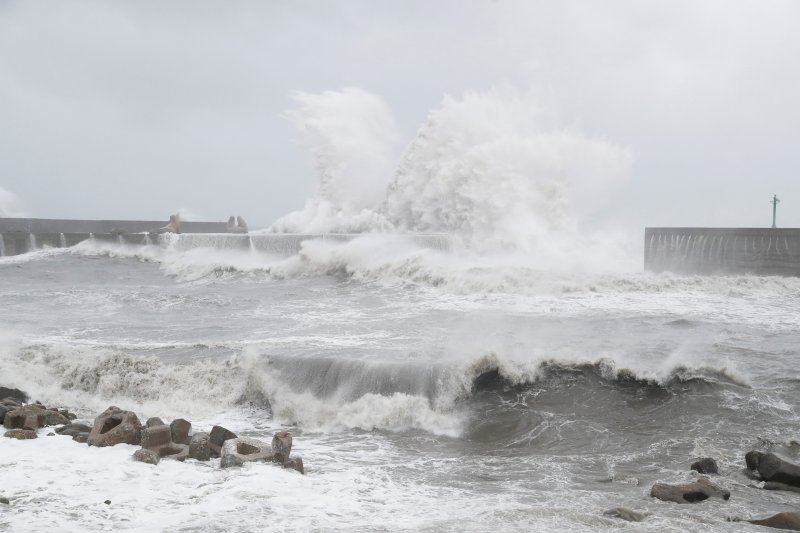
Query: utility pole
774,203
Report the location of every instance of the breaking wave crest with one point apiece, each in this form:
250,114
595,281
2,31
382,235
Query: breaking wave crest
392,260
322,394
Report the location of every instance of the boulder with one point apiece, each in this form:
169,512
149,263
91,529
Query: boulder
706,465
295,463
790,521
29,417
115,426
146,456
14,394
700,490
20,434
177,452
245,450
67,414
4,501
624,514
154,421
82,438
180,430
281,446
71,430
217,438
752,458
3,410
198,447
776,485
10,402
54,418
773,468
153,437
230,461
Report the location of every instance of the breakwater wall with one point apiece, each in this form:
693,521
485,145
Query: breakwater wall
760,251
21,235
18,236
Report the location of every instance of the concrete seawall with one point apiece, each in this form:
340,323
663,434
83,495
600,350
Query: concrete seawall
21,235
760,251
18,236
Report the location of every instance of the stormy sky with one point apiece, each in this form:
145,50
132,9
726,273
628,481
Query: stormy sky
134,109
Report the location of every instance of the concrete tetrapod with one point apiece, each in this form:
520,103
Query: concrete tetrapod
700,490
236,452
115,426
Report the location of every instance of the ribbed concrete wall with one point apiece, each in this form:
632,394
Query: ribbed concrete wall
761,251
57,226
21,235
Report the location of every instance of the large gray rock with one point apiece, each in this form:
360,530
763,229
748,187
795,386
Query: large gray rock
54,418
198,447
153,421
706,465
15,394
71,430
115,426
776,485
217,438
281,446
146,456
180,430
773,468
700,490
790,521
153,437
752,458
81,438
3,411
244,450
295,463
29,417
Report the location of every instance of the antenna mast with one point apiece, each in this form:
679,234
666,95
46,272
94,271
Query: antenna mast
774,203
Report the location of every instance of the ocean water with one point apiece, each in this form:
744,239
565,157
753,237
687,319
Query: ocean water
526,377
427,390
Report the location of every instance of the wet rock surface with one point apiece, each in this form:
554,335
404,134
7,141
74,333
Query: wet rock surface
115,426
217,438
198,447
244,450
624,514
20,434
787,521
695,492
146,456
774,468
706,465
28,417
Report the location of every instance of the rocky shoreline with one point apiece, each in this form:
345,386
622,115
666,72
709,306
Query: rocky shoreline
769,468
158,440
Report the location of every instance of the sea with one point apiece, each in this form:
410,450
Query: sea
482,353
427,388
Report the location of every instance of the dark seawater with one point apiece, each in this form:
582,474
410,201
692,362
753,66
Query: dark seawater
424,395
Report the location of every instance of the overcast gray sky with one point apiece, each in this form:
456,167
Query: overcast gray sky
132,109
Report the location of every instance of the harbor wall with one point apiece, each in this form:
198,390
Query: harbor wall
759,251
21,235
